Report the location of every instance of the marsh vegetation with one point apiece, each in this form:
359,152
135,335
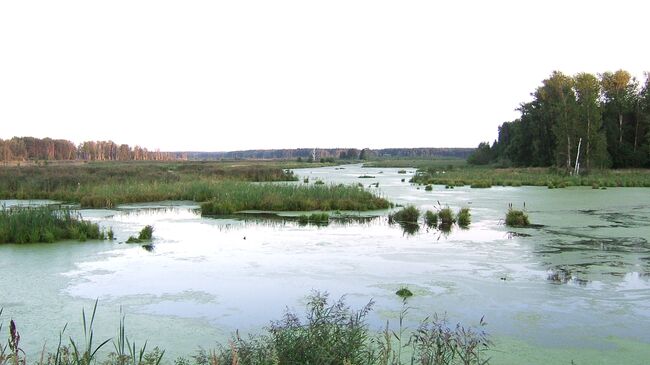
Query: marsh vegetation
45,224
329,333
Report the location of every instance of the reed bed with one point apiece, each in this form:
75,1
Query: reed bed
45,225
232,197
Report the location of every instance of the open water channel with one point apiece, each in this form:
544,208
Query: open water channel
574,288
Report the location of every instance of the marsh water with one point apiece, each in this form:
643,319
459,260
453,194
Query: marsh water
576,287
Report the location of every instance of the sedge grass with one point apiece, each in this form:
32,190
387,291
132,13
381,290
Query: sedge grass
232,197
45,225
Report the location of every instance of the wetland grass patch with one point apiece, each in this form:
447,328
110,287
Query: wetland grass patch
45,225
516,218
233,197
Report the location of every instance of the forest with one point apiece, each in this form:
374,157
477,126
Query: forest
597,121
47,149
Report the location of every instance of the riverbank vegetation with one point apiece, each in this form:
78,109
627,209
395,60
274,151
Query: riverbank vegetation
485,177
45,225
329,333
596,121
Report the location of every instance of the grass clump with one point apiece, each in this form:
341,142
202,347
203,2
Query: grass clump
409,214
446,217
235,197
464,218
146,234
428,187
404,293
482,184
45,225
516,218
315,218
431,218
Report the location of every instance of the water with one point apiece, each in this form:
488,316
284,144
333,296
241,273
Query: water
576,287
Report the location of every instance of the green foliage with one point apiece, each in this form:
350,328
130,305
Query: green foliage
315,218
234,197
146,234
329,333
516,218
45,224
404,293
428,187
464,218
107,184
610,114
446,217
431,218
490,176
409,214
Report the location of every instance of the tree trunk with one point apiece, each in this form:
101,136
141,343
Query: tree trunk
568,153
588,143
620,129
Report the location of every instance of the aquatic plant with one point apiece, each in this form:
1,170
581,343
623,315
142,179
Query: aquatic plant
146,234
516,218
431,218
235,197
45,224
463,217
404,293
409,214
446,217
316,218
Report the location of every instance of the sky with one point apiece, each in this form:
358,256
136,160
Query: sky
214,75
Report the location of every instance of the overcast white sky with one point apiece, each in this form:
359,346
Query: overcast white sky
226,75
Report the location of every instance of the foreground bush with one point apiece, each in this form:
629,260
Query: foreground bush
45,224
330,333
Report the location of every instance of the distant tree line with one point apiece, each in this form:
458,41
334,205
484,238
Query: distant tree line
609,113
336,153
47,149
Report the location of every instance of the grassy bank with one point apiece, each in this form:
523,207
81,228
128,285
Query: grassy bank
233,197
223,184
46,225
485,177
419,163
70,182
329,333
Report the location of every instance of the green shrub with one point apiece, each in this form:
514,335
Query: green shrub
428,187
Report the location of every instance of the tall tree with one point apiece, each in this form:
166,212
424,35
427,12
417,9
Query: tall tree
590,120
